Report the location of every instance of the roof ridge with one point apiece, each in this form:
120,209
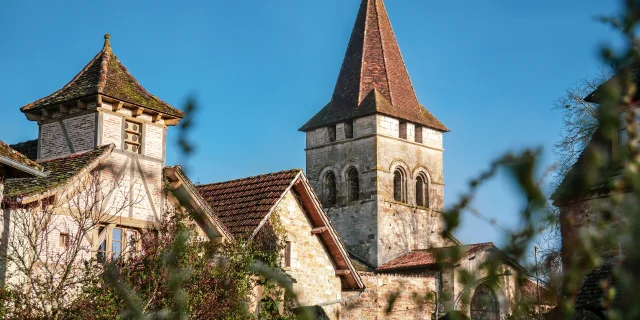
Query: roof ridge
250,177
382,47
81,73
75,154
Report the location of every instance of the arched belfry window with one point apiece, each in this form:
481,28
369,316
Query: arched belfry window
353,185
484,304
399,185
422,191
329,189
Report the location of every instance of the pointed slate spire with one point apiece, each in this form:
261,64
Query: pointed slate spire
372,71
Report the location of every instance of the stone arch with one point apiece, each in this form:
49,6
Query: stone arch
504,304
484,304
321,191
353,184
400,184
421,180
399,163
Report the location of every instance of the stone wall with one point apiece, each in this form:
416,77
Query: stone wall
377,227
582,218
380,287
311,266
403,228
506,289
355,221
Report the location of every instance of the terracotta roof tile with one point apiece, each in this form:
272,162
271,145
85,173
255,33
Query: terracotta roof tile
243,203
58,171
9,153
104,74
373,77
429,257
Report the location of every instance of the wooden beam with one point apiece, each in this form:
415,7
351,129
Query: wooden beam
118,106
175,184
342,272
81,105
171,121
157,117
318,230
137,112
64,109
99,101
46,113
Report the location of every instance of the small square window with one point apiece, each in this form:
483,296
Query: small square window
64,240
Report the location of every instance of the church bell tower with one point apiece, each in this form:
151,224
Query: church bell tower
374,153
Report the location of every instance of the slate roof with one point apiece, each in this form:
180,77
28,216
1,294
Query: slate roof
243,203
429,257
105,75
373,77
29,148
591,295
58,170
9,153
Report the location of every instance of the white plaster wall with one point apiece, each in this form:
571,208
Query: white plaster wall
111,130
153,141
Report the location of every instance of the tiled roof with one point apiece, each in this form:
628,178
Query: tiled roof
58,170
243,203
529,291
591,294
9,153
429,257
373,78
28,148
105,75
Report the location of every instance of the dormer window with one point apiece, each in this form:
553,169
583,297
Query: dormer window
132,136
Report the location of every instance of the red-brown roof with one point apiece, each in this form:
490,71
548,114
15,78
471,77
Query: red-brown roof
243,203
373,78
105,75
433,256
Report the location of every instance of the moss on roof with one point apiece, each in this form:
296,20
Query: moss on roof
104,74
58,171
7,152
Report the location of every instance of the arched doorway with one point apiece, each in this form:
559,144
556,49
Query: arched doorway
484,304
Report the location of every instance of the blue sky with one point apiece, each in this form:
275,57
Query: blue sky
489,70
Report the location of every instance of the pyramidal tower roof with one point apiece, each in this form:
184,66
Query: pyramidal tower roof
105,75
373,78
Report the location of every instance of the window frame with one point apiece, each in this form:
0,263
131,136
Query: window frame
105,251
423,181
400,192
353,184
330,191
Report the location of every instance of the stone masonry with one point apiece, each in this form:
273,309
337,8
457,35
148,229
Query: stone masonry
376,227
